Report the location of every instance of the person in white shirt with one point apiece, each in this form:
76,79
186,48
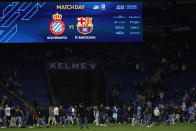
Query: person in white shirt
96,115
51,116
73,115
56,114
7,115
156,115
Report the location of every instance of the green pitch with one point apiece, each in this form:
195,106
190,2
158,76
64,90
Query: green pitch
122,127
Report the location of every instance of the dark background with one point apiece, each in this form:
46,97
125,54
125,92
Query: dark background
169,23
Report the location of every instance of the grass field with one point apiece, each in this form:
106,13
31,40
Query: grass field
123,127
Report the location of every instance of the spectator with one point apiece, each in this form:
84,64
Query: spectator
156,115
161,95
191,112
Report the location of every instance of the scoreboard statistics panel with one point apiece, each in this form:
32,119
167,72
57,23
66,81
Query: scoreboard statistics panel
57,22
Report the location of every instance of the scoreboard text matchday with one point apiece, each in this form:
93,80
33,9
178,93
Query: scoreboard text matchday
61,22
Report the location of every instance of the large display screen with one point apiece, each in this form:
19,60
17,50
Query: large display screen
56,22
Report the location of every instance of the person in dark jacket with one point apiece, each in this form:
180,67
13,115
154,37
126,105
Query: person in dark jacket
13,117
2,115
62,115
170,110
163,113
130,113
19,115
41,117
102,115
149,111
31,112
82,113
46,114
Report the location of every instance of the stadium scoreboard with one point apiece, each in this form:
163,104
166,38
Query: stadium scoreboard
61,22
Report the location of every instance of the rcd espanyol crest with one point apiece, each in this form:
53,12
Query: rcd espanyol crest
57,27
85,25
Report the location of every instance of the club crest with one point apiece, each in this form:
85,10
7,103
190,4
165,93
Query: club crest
85,25
57,26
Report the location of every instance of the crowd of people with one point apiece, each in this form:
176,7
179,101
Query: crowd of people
146,113
157,55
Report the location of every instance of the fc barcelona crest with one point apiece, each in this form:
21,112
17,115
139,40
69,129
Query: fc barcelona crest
57,27
85,25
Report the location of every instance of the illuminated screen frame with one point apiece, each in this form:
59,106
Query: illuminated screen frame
15,25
